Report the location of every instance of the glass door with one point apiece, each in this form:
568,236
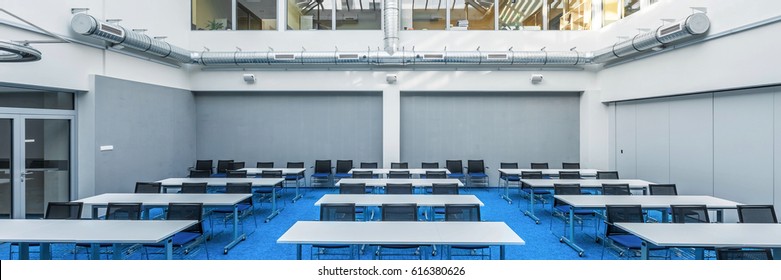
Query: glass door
6,157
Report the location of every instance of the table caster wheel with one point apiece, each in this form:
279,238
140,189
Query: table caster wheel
537,222
581,254
561,240
225,251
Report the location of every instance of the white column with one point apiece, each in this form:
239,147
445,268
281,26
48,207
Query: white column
391,125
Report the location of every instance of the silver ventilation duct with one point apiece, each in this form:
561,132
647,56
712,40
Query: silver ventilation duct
695,24
392,24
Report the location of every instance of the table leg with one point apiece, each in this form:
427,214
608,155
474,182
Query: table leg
298,182
665,216
298,251
24,251
274,210
169,249
236,236
644,250
501,252
506,195
570,238
46,251
94,212
720,215
530,212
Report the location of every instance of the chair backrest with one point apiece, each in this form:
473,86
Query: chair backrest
539,165
267,164
508,165
744,254
194,187
444,188
358,188
123,211
454,166
363,174
186,211
271,174
243,187
399,165
323,166
295,164
63,210
236,165
662,189
400,212
337,212
398,174
565,189
570,165
690,214
344,166
224,165
436,175
369,165
475,166
622,214
754,214
398,189
531,174
148,187
236,174
429,165
200,174
607,175
615,189
569,175
204,164
462,212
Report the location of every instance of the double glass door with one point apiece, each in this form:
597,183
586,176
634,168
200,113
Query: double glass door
35,163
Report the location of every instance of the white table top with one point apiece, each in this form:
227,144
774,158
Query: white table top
414,171
414,182
646,201
583,172
90,231
707,235
285,171
256,182
388,233
548,183
162,199
379,199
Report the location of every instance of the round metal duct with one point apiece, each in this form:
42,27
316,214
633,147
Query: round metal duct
15,52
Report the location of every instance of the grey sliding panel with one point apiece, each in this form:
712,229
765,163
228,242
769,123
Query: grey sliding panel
495,127
743,145
777,149
653,141
626,140
289,126
151,128
691,144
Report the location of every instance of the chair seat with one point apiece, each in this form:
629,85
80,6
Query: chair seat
527,190
219,175
241,207
468,247
330,246
627,240
456,175
343,175
266,190
293,177
565,209
514,178
321,175
478,175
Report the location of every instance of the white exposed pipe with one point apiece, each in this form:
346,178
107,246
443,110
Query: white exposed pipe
391,25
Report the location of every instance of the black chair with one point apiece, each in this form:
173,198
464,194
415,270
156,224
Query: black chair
615,189
466,213
530,193
757,214
322,173
475,170
266,164
399,165
398,189
223,166
115,211
343,168
456,168
267,192
508,179
204,165
620,240
399,212
743,254
236,174
342,212
436,175
539,165
569,175
363,174
398,174
560,209
438,189
370,165
193,188
662,189
185,241
54,211
570,165
148,187
200,174
236,165
245,208
429,165
357,188
688,214
295,177
612,175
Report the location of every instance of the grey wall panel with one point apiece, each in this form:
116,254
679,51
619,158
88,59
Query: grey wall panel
777,149
691,144
653,141
151,128
495,127
743,145
289,126
626,140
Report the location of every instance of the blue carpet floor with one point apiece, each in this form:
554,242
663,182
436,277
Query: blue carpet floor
542,241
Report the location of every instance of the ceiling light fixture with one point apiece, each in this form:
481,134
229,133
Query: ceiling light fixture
16,52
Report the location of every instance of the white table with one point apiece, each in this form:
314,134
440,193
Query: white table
412,171
396,233
221,182
661,202
380,199
299,173
505,172
384,182
705,235
634,184
95,232
151,200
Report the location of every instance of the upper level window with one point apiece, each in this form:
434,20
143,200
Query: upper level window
613,10
569,14
472,15
358,15
220,15
521,15
211,15
256,15
309,14
423,15
36,99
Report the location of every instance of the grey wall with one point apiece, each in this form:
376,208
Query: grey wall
289,126
722,144
493,126
151,127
